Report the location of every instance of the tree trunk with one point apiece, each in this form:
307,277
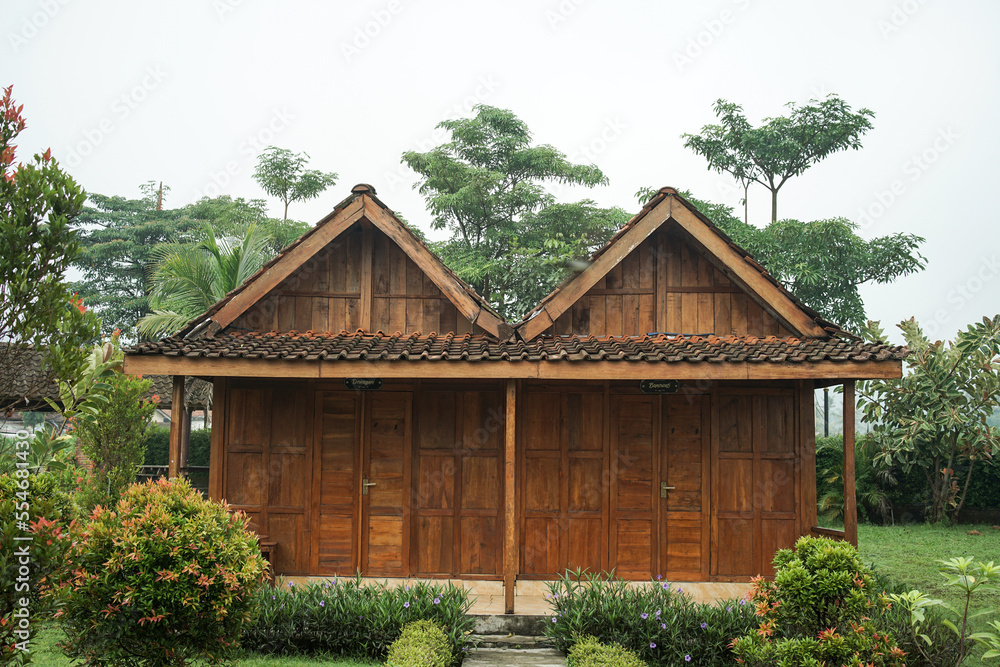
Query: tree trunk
774,205
965,492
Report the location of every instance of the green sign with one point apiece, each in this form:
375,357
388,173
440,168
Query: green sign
363,384
659,386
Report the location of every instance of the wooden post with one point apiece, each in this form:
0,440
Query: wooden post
176,427
509,501
850,501
185,440
216,458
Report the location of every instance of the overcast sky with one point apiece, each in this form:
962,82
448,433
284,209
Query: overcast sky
189,92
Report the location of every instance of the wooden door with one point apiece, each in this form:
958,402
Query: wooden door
385,484
634,485
684,472
336,479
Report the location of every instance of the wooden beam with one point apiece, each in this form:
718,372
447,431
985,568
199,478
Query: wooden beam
737,267
327,230
850,501
366,280
176,427
216,454
510,507
546,370
583,281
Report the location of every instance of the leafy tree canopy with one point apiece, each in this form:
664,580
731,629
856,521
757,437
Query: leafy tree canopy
283,174
824,262
935,417
781,147
39,203
486,186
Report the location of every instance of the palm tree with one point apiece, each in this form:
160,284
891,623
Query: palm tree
190,277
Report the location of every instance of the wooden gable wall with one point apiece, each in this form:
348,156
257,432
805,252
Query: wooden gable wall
360,280
666,285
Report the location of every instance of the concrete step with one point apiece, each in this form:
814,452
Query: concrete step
507,624
513,657
511,641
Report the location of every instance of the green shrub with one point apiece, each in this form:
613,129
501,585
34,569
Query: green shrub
589,652
820,609
164,578
113,439
31,506
657,621
420,644
342,617
158,444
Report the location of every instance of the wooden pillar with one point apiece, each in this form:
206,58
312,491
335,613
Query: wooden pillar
850,501
185,439
509,500
215,480
176,427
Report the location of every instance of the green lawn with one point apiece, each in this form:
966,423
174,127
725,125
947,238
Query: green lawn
45,652
909,554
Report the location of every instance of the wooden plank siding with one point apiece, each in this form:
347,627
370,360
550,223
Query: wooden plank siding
666,285
589,462
360,280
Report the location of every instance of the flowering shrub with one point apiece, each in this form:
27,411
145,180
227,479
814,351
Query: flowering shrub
342,617
31,506
421,644
818,610
164,578
657,621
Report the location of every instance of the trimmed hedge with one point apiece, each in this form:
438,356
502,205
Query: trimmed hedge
589,652
421,644
158,443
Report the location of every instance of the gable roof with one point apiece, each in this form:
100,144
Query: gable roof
667,207
362,204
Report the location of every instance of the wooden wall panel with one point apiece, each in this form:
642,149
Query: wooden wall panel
666,284
757,483
457,467
328,293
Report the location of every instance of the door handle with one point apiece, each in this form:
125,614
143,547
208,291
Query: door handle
364,486
664,488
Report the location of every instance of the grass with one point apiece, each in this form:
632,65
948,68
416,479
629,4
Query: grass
909,555
45,652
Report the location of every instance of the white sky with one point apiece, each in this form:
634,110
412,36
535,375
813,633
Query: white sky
188,92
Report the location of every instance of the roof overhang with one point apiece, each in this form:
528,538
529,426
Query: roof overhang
829,371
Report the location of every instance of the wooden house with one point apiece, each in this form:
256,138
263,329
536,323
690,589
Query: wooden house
653,415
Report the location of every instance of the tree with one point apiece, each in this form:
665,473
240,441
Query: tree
485,187
190,278
935,417
39,203
232,217
119,253
781,147
282,174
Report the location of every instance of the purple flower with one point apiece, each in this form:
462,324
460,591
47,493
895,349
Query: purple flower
657,612
687,658
406,605
728,608
704,626
644,615
666,586
680,590
659,576
554,619
437,600
322,603
652,644
291,584
663,626
743,601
